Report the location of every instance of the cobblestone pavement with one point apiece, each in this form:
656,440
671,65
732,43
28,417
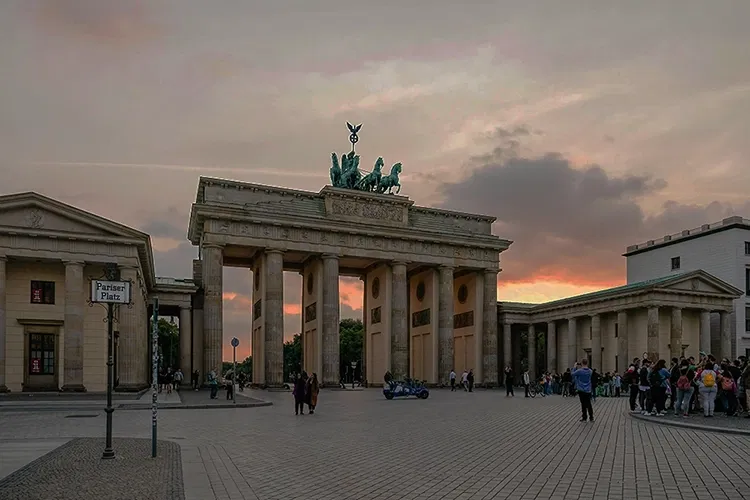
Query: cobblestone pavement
75,471
451,446
719,423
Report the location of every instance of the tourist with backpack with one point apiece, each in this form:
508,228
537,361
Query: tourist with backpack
659,382
707,386
729,388
684,389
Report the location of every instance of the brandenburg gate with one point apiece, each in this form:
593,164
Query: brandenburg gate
430,276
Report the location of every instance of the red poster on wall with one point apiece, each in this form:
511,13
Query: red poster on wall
36,365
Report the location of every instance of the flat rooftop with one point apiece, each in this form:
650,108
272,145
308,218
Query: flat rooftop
688,234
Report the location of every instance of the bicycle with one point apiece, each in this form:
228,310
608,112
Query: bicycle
536,388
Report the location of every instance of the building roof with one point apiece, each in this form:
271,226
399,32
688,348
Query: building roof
689,234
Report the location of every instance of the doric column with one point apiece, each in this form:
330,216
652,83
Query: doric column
274,314
705,331
572,342
507,345
399,323
596,342
652,329
331,368
3,261
213,313
489,329
622,340
363,362
675,333
531,351
726,334
186,342
75,301
551,346
445,324
133,348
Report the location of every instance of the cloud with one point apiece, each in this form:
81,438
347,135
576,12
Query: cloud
569,224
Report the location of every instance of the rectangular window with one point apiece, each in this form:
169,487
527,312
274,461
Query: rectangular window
747,248
42,292
747,281
747,319
675,263
617,333
41,354
591,332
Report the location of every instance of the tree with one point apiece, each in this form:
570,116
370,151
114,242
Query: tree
169,343
293,356
351,337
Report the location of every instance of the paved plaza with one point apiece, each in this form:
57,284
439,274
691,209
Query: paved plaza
451,446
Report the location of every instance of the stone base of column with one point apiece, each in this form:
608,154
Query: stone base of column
73,388
4,389
131,387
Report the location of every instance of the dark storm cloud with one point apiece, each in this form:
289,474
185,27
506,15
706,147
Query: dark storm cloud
569,224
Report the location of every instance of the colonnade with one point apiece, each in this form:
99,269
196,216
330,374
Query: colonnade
613,339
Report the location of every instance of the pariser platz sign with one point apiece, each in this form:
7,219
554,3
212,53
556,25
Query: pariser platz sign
110,292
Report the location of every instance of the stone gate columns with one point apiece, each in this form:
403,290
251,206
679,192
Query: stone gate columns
507,346
489,330
596,342
675,334
652,342
622,341
330,337
75,301
445,324
705,331
3,261
133,347
186,342
531,351
551,346
213,286
572,342
399,323
726,335
274,312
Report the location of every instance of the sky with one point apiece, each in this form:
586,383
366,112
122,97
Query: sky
583,126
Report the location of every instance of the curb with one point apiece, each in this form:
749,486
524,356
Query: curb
684,425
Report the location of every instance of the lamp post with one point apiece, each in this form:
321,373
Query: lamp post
235,343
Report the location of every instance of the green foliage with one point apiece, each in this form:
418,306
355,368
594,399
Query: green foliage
169,344
292,356
351,335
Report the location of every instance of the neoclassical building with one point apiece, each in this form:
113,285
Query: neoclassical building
430,293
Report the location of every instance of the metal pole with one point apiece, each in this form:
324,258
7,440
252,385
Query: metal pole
108,451
234,371
154,374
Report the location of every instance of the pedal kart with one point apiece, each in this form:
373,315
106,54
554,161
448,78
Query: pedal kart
404,389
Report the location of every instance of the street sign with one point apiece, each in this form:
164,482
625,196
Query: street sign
110,292
235,342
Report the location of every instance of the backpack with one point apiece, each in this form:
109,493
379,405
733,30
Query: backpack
654,378
709,379
683,383
643,376
727,384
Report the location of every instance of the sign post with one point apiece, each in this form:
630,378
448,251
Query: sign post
110,292
154,373
354,367
235,343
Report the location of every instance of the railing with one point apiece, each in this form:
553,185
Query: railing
690,232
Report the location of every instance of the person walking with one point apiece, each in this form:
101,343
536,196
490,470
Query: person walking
470,380
526,382
582,378
313,388
214,384
465,380
509,381
453,380
299,395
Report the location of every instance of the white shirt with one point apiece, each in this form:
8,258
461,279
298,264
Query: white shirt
453,375
465,377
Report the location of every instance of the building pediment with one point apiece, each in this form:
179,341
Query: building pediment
32,212
699,282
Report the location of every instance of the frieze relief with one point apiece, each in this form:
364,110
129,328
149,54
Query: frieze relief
480,257
374,211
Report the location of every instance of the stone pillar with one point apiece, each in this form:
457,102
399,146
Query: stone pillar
705,331
652,342
531,351
622,341
330,347
551,346
445,324
75,301
596,342
490,371
399,323
213,314
572,342
363,362
726,335
133,349
186,342
507,345
274,319
3,261
675,334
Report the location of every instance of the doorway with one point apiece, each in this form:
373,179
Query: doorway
41,362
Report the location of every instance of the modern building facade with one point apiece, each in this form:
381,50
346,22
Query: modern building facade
721,249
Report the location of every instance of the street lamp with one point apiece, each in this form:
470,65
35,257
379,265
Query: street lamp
354,366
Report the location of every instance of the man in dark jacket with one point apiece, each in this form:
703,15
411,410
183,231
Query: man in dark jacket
674,375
